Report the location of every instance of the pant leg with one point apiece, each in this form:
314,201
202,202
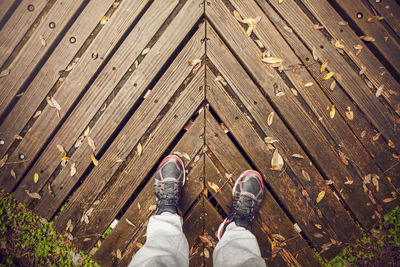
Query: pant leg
166,244
237,247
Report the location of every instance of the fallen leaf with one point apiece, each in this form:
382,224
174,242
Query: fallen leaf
50,102
61,149
329,75
374,19
152,207
33,195
306,175
278,237
73,169
298,156
87,131
379,90
288,29
391,144
251,23
259,43
343,158
139,149
270,118
314,53
308,84
332,112
280,1
362,70
206,253
194,62
317,26
79,141
129,222
119,256
318,235
294,91
333,85
323,66
42,40
145,51
214,187
12,172
35,178
91,143
318,226
386,200
339,44
64,158
270,140
375,181
221,80
186,156
237,16
367,38
271,60
104,20
94,160
276,161
4,73
69,224
343,23
85,218
50,190
37,114
223,127
55,103
349,182
376,137
320,196
17,137
139,245
328,182
363,133
139,206
349,113
3,161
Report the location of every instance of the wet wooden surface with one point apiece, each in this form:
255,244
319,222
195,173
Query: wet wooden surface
96,93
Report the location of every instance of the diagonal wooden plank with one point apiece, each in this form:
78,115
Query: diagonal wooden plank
390,10
49,74
384,41
121,234
17,25
328,16
271,215
4,7
119,189
34,50
343,138
111,117
304,126
378,149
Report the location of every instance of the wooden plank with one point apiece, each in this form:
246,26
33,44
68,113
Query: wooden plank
329,18
291,194
17,26
120,236
224,199
149,109
378,149
385,42
310,126
4,7
43,82
390,10
342,137
76,81
120,189
271,215
34,50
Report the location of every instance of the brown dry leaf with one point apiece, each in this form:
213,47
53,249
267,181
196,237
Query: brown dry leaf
33,195
139,149
79,141
223,127
276,161
37,114
278,237
379,90
387,200
308,84
61,149
320,196
42,40
363,133
139,206
328,182
288,29
73,169
3,161
259,43
343,23
376,137
87,131
221,80
374,19
280,1
391,144
145,51
297,156
179,154
252,24
4,73
367,38
50,190
314,53
375,181
318,235
139,245
119,256
272,60
206,253
343,158
332,111
91,143
339,44
17,137
323,66
35,178
294,91
349,182
186,156
349,113
194,62
362,70
85,218
329,75
12,172
129,222
318,226
270,140
358,48
306,175
55,103
94,160
237,16
50,102
317,26
214,186
152,207
270,118
104,20
333,85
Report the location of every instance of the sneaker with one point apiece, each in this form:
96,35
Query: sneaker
168,183
247,193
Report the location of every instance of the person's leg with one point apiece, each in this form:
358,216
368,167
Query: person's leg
237,245
166,245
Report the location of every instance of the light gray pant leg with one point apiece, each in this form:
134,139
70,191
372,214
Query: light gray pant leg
237,247
166,244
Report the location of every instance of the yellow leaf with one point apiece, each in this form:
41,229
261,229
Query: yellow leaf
94,160
194,62
374,19
320,196
270,118
36,178
391,144
64,158
214,187
323,66
280,1
367,38
332,112
329,75
91,143
206,253
139,149
259,43
272,60
42,40
270,140
298,156
139,245
87,131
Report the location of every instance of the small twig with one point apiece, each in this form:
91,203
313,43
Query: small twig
300,66
16,162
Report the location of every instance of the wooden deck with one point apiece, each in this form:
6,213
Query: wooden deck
94,94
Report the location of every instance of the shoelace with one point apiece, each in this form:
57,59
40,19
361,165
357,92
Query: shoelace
243,206
170,194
